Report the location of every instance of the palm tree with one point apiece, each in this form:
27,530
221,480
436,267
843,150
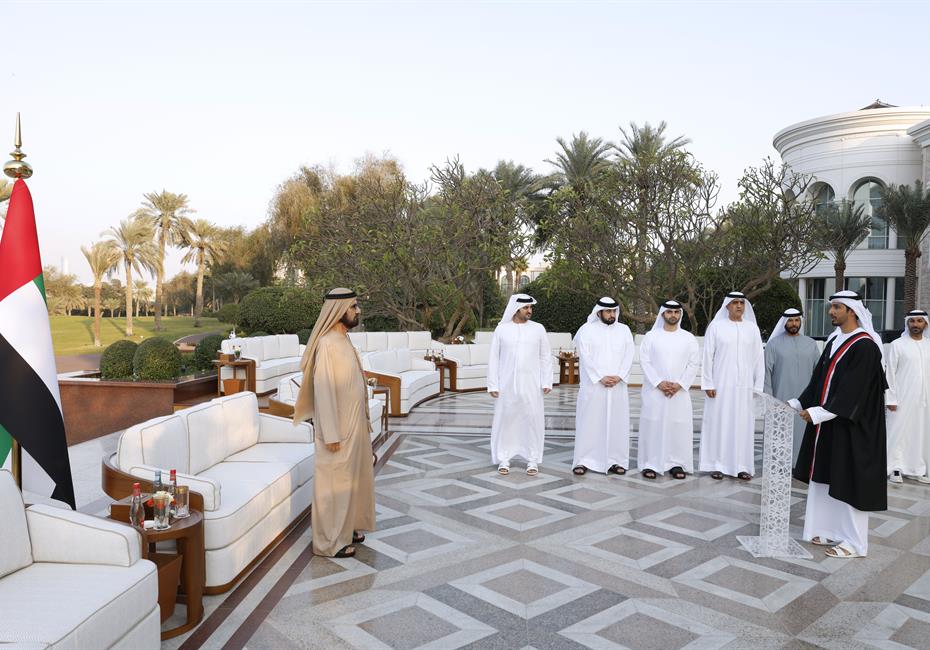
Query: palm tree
133,241
143,296
646,145
908,212
166,212
235,284
205,246
102,258
581,162
842,227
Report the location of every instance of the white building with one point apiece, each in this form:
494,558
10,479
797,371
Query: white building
850,155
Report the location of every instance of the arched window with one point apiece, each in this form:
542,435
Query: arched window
823,196
524,280
868,195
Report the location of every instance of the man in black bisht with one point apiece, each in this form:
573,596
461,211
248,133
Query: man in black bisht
842,456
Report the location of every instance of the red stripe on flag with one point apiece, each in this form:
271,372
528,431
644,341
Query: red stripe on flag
19,248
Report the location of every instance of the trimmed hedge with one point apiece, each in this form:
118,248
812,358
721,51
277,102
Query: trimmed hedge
227,313
116,360
205,351
303,335
769,305
559,309
156,359
278,310
258,333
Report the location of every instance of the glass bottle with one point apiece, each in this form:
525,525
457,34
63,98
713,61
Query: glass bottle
136,509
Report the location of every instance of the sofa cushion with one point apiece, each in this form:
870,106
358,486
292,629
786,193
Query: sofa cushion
205,428
471,372
560,340
272,368
292,454
376,341
461,354
419,341
252,348
288,345
250,491
396,340
403,360
382,361
270,347
480,353
15,547
76,605
228,345
240,417
165,443
414,380
483,337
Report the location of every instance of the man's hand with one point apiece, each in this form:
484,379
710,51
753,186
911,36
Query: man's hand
712,393
333,446
546,391
805,415
671,388
610,381
892,407
494,393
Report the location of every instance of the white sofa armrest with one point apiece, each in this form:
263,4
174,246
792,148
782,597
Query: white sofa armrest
300,350
422,364
277,429
76,538
207,487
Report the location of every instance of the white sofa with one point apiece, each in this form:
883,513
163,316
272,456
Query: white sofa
417,342
290,385
410,377
274,356
557,341
70,580
253,470
471,366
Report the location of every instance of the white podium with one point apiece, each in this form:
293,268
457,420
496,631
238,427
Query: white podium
773,539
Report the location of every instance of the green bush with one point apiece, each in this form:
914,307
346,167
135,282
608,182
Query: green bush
258,333
769,305
278,310
116,360
303,335
205,352
559,309
156,359
227,313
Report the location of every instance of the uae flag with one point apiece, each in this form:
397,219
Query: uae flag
30,405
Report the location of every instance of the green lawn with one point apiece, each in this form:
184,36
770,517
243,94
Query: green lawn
75,334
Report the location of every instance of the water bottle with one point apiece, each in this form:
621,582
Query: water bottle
136,510
173,490
157,485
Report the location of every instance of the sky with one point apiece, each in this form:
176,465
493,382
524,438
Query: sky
224,101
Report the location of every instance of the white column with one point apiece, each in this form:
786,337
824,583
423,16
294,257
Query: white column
889,303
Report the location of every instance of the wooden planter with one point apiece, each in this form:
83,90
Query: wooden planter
93,407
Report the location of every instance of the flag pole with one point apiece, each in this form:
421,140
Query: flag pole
17,168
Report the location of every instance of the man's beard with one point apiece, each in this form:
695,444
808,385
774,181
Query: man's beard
349,322
792,330
915,331
608,320
670,320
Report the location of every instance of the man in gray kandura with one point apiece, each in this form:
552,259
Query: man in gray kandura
790,358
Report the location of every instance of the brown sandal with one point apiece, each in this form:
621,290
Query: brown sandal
357,538
649,473
580,470
346,551
717,476
744,476
616,469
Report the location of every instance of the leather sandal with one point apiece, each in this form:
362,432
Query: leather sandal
823,541
357,537
843,551
649,473
717,476
346,551
744,476
616,469
678,472
580,470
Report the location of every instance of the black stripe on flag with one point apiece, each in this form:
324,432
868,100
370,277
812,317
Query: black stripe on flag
30,414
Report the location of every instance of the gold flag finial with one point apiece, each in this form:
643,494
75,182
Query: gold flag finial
17,168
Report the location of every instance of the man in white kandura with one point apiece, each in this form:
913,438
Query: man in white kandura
732,368
519,374
908,373
669,357
602,418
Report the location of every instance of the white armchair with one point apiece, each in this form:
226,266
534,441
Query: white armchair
70,580
411,378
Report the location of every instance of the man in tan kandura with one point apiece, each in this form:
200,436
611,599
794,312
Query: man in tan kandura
334,394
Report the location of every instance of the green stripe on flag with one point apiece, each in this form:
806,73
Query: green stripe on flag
6,443
40,282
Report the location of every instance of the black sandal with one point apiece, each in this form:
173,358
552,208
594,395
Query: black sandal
717,476
616,469
346,551
744,476
580,470
649,473
357,538
677,472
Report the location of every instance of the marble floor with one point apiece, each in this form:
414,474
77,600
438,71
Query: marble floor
464,557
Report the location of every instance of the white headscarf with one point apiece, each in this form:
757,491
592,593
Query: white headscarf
916,313
852,300
664,307
517,301
780,326
722,313
602,304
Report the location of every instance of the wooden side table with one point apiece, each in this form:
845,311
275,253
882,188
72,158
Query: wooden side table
249,366
383,390
568,370
188,534
446,365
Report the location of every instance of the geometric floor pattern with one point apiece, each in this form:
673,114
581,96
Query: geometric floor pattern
465,558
